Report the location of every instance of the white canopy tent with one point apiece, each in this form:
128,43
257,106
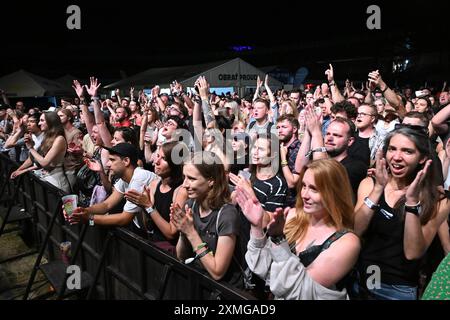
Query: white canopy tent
25,84
234,73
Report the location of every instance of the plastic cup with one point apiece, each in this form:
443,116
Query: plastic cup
70,202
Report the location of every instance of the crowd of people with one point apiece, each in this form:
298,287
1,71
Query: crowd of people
316,193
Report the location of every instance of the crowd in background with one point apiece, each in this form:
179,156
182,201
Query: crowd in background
305,194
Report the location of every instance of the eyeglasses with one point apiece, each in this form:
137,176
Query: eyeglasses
419,129
365,114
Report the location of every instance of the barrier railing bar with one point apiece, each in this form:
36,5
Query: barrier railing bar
114,272
41,253
99,267
37,196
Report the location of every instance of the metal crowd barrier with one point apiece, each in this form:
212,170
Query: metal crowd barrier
115,262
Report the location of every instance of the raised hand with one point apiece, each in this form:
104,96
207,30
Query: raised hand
178,88
276,224
317,94
93,88
142,199
78,88
330,73
203,88
381,174
375,78
250,206
259,83
413,191
266,81
159,124
312,120
93,165
182,220
29,143
155,91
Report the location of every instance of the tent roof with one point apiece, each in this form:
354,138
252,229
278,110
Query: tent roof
162,76
25,84
187,75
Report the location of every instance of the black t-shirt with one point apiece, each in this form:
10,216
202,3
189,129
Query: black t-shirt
271,193
383,247
360,150
239,164
357,171
210,231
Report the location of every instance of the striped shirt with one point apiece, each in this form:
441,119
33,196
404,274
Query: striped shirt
271,193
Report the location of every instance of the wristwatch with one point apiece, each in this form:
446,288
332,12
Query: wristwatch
321,149
277,240
91,220
415,210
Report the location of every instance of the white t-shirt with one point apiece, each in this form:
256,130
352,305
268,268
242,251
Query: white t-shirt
37,140
140,179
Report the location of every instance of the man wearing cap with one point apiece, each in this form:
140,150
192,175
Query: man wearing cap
123,159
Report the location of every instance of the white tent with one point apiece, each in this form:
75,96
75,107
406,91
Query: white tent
234,73
25,84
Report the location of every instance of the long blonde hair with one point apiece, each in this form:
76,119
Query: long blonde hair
333,184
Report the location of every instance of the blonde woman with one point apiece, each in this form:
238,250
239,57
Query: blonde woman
311,248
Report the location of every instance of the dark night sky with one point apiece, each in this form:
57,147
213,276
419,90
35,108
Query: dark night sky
135,35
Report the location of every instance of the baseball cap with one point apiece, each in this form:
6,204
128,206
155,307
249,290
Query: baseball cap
125,150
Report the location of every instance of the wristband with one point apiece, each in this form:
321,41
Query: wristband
415,210
204,253
370,204
91,220
201,245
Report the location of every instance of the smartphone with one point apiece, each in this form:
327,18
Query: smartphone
420,94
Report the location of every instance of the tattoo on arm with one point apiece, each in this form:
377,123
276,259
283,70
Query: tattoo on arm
207,112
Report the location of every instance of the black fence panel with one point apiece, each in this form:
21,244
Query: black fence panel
126,265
